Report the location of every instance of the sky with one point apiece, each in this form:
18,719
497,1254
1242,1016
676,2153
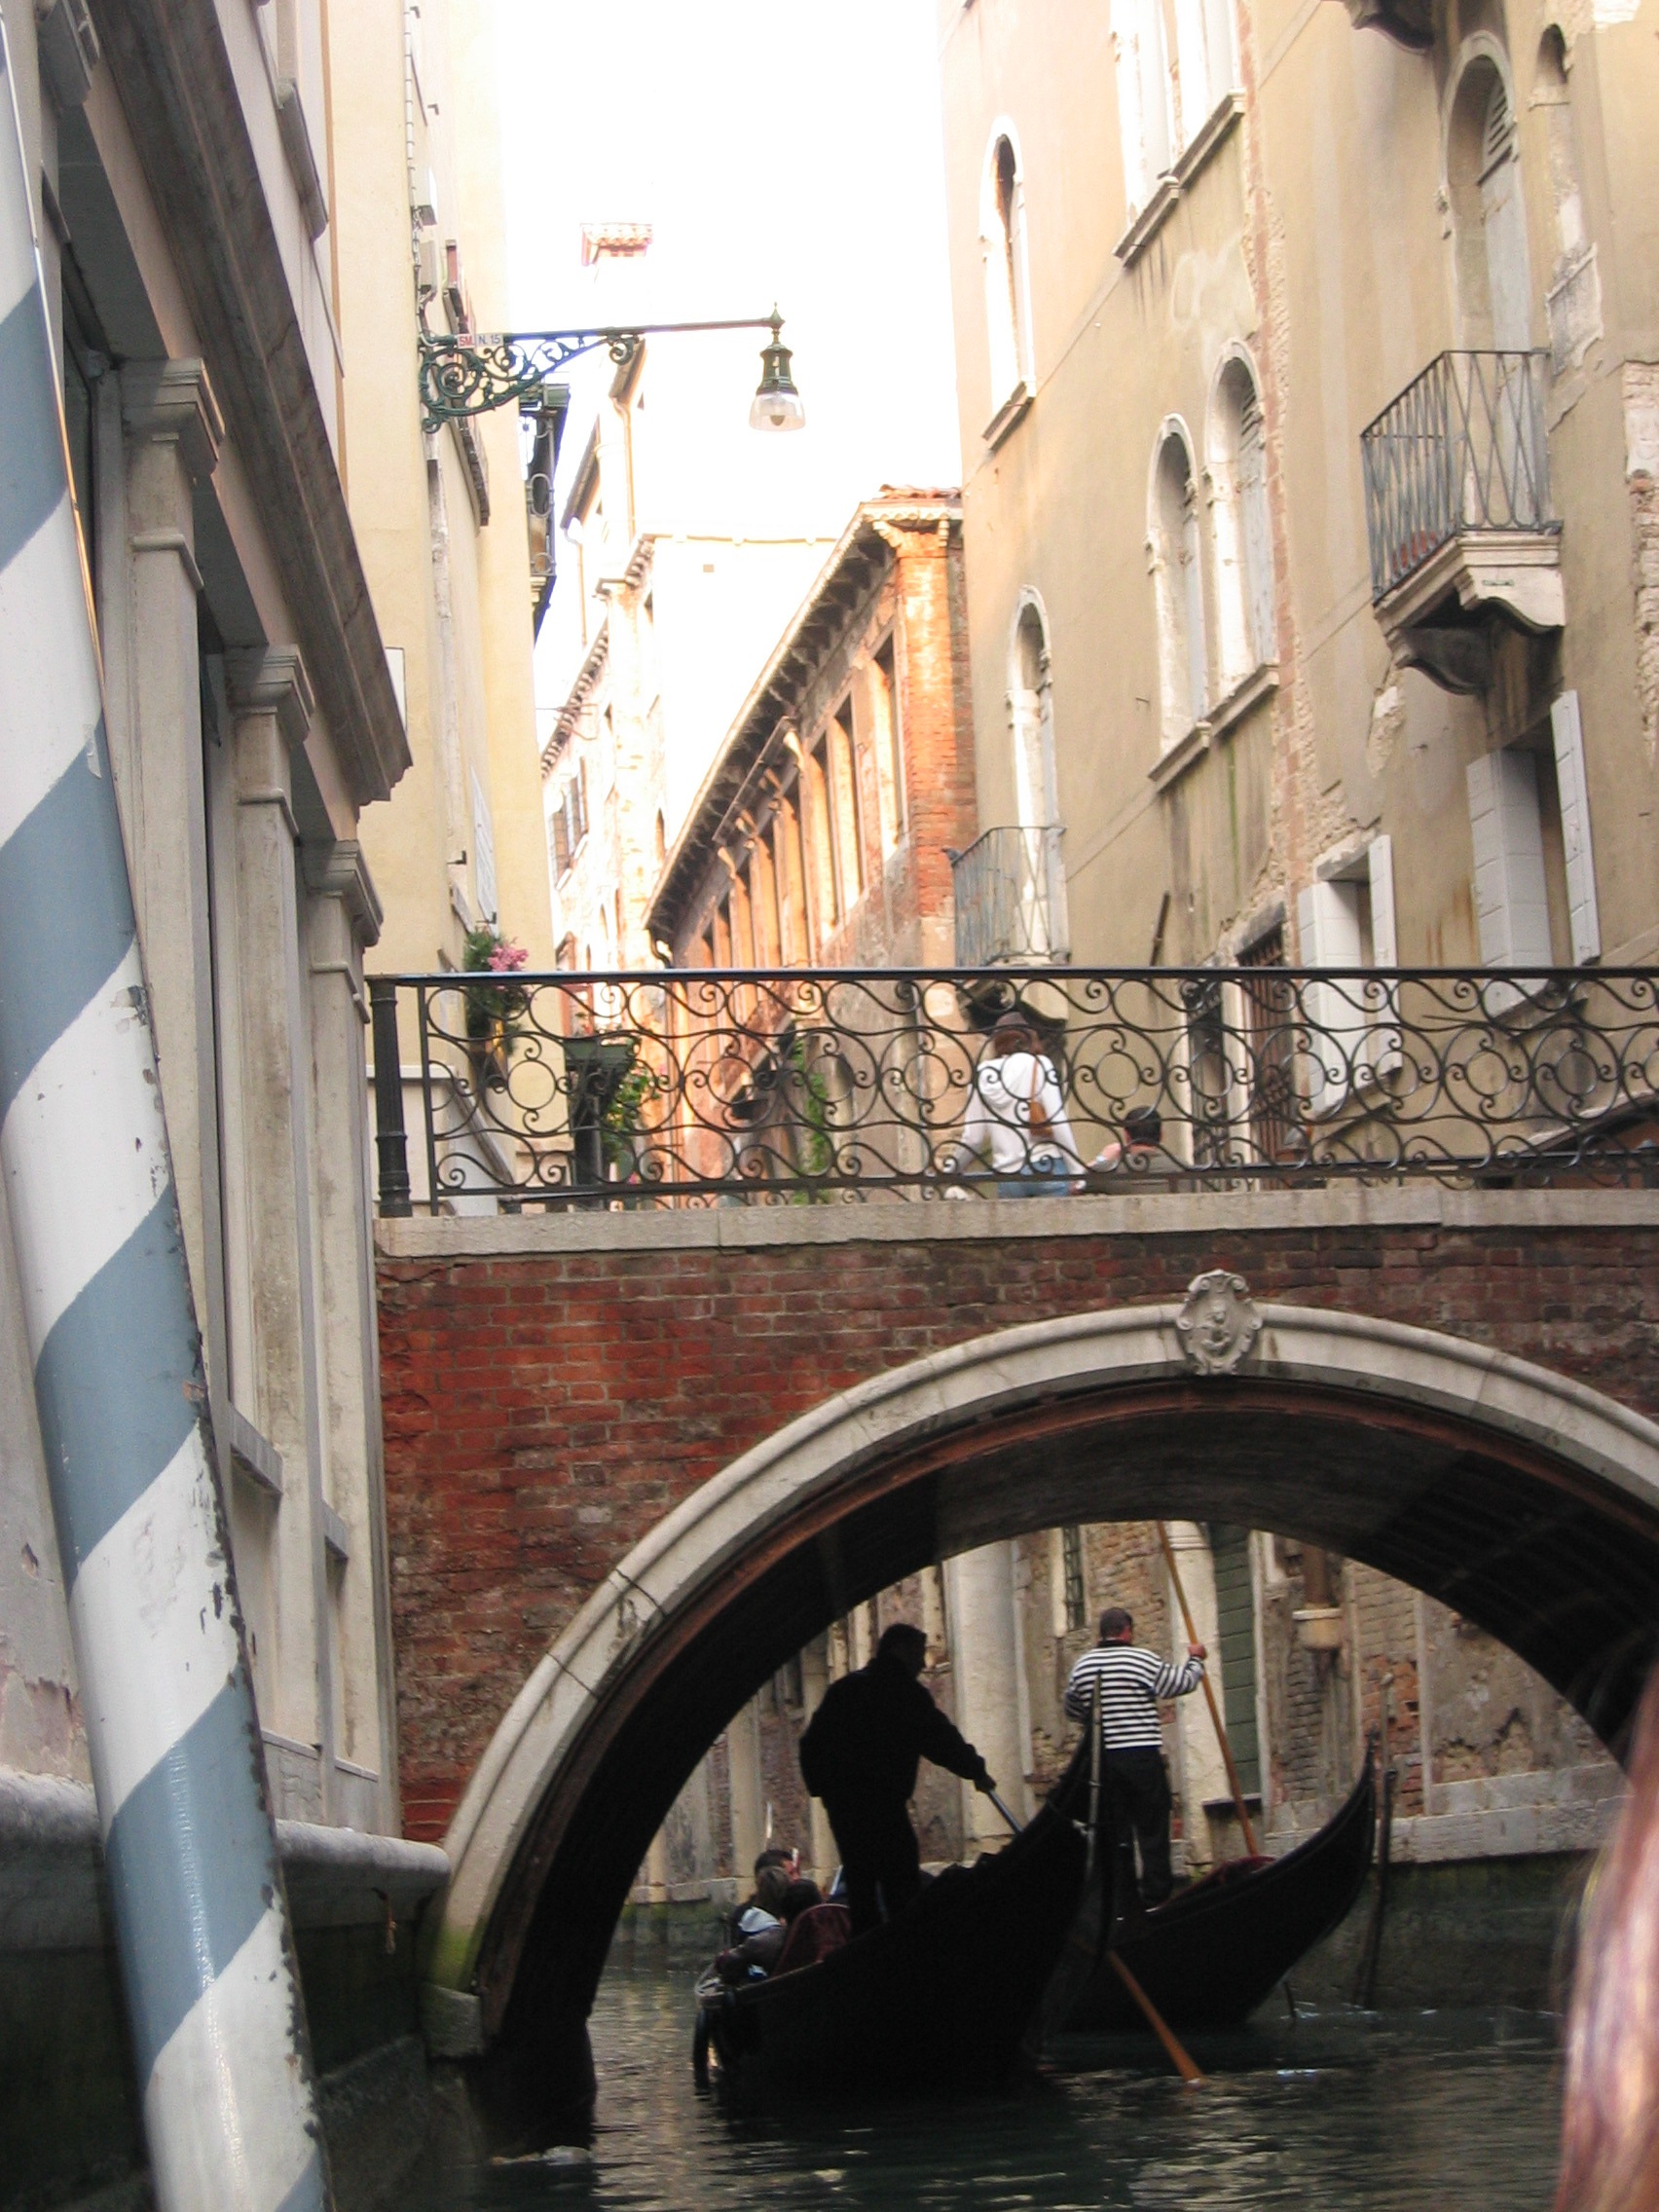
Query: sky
788,152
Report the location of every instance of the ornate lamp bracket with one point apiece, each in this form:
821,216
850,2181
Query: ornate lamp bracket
476,372
475,375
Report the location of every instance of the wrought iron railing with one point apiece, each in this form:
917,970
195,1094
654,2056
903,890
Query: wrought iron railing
1462,450
1009,893
803,1086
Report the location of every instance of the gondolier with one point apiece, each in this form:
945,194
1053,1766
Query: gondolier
1132,1681
860,1756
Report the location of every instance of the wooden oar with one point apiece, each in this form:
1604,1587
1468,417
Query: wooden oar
1093,1782
1233,1781
1179,2056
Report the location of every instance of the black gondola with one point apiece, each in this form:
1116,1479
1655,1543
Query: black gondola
1218,1949
938,1999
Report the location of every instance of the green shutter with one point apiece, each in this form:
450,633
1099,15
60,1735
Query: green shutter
1235,1618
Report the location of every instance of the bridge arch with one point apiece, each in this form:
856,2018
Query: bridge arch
1525,1500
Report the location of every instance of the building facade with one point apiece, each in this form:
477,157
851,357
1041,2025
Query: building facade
823,832
192,220
1305,397
420,245
1306,403
671,617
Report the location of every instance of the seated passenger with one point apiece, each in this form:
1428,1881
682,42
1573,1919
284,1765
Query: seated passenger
761,1912
759,1954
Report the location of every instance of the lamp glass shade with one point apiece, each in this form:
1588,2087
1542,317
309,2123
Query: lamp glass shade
777,404
777,411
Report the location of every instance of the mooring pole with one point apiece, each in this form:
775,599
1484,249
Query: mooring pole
200,1921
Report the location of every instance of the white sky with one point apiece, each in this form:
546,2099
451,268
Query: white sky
780,149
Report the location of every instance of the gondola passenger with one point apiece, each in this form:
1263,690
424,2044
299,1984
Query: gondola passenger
859,1754
773,1873
759,1953
1138,1803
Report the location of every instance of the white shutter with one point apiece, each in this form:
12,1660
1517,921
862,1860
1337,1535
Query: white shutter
1257,532
1327,918
483,853
1571,782
1386,1052
1511,901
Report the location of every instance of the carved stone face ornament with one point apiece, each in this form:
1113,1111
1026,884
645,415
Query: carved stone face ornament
1218,1323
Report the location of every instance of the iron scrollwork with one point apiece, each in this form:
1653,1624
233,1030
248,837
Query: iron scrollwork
811,1087
473,375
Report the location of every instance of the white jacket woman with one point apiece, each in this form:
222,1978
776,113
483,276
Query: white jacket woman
1016,1123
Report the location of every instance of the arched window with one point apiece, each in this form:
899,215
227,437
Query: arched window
1002,240
1246,623
1483,176
1145,111
1031,717
1042,917
1172,543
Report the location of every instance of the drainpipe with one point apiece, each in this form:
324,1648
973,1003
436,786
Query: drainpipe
200,1920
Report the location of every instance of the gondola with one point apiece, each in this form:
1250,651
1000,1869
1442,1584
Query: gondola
1217,1949
938,1999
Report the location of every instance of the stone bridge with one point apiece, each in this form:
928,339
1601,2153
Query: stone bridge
636,1459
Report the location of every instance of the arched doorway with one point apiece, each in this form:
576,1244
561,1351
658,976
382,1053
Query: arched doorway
1529,1501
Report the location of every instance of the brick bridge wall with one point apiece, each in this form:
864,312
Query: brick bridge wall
554,1386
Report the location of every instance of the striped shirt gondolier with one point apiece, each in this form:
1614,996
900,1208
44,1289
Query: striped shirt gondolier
1131,1681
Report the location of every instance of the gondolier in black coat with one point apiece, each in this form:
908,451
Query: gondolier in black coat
859,1754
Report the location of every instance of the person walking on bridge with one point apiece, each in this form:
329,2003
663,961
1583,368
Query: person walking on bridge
1132,1681
859,1754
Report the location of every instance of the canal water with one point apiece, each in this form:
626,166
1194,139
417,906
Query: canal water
1340,2113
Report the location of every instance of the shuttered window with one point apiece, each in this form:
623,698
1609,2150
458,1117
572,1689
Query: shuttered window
1258,542
1235,1630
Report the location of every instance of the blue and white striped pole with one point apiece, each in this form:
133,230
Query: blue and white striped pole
200,1920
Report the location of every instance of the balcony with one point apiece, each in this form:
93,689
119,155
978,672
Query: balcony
1457,513
1010,890
807,1086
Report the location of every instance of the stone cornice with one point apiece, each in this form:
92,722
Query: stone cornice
340,871
170,65
576,698
174,400
273,681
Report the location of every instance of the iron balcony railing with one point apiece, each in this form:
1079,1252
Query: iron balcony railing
1009,893
1461,451
801,1085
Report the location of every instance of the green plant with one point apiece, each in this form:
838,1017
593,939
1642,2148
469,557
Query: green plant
816,1109
623,1116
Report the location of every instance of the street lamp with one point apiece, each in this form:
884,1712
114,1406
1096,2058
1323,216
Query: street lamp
777,404
473,374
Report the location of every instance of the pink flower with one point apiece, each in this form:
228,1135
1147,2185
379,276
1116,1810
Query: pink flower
505,957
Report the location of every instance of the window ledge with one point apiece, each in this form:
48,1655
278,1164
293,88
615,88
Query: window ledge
1215,130
1261,683
1212,132
1013,410
1172,764
1149,222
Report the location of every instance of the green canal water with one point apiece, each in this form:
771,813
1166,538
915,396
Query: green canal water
1340,2113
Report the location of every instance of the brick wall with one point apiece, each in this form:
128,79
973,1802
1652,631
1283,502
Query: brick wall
544,1412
